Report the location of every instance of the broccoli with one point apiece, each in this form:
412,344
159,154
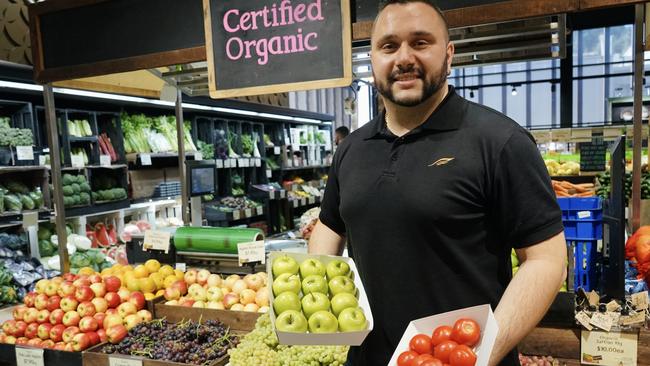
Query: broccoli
84,198
75,188
68,191
81,178
84,187
68,179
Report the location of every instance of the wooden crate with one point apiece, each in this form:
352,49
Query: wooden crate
93,357
239,321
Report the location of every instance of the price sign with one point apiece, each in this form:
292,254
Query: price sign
30,219
242,162
612,306
248,212
77,161
219,163
251,252
303,201
123,361
158,240
312,200
259,210
258,163
602,321
226,163
269,173
276,150
633,318
181,267
283,193
25,152
42,160
583,319
198,156
145,159
615,348
29,357
104,160
295,203
233,162
236,215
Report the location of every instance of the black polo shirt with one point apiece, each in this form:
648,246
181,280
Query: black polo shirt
431,217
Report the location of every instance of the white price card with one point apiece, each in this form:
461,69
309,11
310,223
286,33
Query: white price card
584,214
236,215
124,361
269,173
258,163
145,159
233,162
198,156
583,319
219,163
633,318
295,203
29,356
251,252
303,201
30,219
602,321
242,162
248,212
276,150
77,161
251,162
158,240
259,210
283,193
104,160
312,200
615,348
42,160
25,152
181,267
226,163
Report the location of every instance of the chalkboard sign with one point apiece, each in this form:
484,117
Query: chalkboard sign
272,46
593,155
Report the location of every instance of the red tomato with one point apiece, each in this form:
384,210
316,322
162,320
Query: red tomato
466,331
441,334
431,362
421,359
443,350
462,356
421,343
406,357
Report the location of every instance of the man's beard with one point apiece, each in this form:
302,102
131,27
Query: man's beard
430,86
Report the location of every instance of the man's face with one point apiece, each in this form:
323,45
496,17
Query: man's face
410,55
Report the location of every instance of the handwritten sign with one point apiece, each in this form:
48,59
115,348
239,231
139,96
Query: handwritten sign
601,348
158,240
198,156
30,219
276,150
593,155
77,161
262,46
145,159
29,357
251,252
583,319
123,361
25,152
104,160
602,321
640,300
181,267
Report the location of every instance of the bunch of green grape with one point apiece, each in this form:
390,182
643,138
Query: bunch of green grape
260,347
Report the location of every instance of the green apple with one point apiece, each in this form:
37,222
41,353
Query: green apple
323,321
284,264
314,283
310,267
343,301
352,320
336,268
286,282
314,302
286,301
291,321
341,284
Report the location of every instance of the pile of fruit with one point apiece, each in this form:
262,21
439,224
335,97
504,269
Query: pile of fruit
567,168
315,310
72,313
446,346
230,204
150,278
209,290
76,190
16,197
106,189
183,342
260,347
538,361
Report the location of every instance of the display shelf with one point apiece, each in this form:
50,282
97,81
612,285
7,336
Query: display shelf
302,202
306,167
16,218
83,139
213,214
135,157
96,210
112,166
10,169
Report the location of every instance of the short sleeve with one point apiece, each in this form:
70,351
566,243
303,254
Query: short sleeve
330,214
523,199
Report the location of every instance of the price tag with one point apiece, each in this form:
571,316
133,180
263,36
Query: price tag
615,316
145,159
233,162
226,163
303,201
181,267
269,173
158,240
25,152
248,212
241,162
612,306
615,348
123,361
198,156
258,163
283,193
640,300
584,214
104,160
260,211
633,318
219,163
42,160
312,200
295,203
276,150
29,357
236,215
583,319
30,219
251,252
77,161
602,321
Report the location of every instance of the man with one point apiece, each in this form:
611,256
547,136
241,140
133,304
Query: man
340,134
433,194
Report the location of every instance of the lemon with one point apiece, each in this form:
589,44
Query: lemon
140,271
86,271
169,280
146,285
152,265
179,274
157,279
166,270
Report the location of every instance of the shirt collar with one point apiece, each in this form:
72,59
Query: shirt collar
446,117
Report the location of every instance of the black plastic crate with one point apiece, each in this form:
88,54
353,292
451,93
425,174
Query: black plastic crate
135,253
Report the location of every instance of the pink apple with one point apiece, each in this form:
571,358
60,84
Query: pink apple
214,280
53,303
230,299
112,312
69,276
71,318
172,293
239,286
9,326
145,315
112,320
95,278
56,316
81,281
69,303
66,288
84,293
19,312
48,344
102,335
131,321
59,346
181,286
40,286
51,288
100,303
22,341
116,333
100,318
112,283
40,302
30,299
31,314
56,333
35,342
80,342
190,276
137,299
20,328
70,332
68,347
86,308
88,324
44,331
247,296
126,308
202,277
254,281
32,330
94,338
43,316
112,299
99,289
124,294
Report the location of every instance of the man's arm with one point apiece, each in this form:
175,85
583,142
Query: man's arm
530,293
325,241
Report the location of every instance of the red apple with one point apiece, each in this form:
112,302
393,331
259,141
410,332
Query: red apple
95,278
81,281
56,316
9,326
59,346
145,315
53,303
29,299
43,316
35,342
20,328
80,342
40,302
112,320
172,293
94,338
181,286
102,335
113,283
230,299
124,294
69,276
51,288
22,341
32,330
71,318
202,277
66,288
56,333
84,293
126,308
137,299
100,303
70,332
69,303
10,340
88,324
86,308
100,318
19,312
186,302
111,312
68,347
116,333
113,300
190,276
99,289
48,344
44,331
31,314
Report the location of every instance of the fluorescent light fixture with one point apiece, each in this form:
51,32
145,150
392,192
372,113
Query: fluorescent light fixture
236,111
311,120
276,116
14,85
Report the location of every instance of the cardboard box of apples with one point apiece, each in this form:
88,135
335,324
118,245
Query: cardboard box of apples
463,337
317,300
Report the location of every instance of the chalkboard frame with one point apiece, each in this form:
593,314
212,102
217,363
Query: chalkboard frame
146,61
344,80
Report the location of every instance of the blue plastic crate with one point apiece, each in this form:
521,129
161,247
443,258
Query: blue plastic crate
583,229
586,264
581,208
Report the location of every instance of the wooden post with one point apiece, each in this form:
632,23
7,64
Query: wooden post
55,163
180,135
639,16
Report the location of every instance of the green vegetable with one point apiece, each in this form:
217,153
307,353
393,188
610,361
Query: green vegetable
68,191
2,201
79,260
76,199
45,248
37,197
17,187
67,179
5,276
106,195
84,198
8,295
84,187
86,128
44,233
247,145
75,188
28,203
206,150
81,178
13,203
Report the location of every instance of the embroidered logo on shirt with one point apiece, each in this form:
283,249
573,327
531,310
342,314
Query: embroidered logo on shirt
442,161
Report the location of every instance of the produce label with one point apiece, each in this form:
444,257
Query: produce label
263,46
260,211
104,160
145,159
158,240
258,162
602,348
219,163
269,173
312,200
602,321
30,219
583,319
226,163
77,161
295,203
198,156
251,252
236,215
584,214
42,160
233,162
29,357
276,150
181,267
612,306
640,300
123,361
248,212
633,318
25,152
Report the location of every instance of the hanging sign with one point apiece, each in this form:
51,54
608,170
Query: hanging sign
608,348
593,155
158,240
271,46
29,357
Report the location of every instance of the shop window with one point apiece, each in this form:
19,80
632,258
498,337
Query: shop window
492,97
541,108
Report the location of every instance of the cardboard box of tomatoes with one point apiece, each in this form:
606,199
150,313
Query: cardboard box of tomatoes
463,337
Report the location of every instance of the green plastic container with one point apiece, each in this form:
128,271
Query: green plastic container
213,239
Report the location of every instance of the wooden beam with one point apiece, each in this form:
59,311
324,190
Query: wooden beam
594,4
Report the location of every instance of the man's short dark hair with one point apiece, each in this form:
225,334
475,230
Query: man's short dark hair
343,131
383,4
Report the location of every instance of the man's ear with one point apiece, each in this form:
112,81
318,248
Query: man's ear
450,55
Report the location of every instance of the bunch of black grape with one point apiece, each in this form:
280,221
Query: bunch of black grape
183,342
